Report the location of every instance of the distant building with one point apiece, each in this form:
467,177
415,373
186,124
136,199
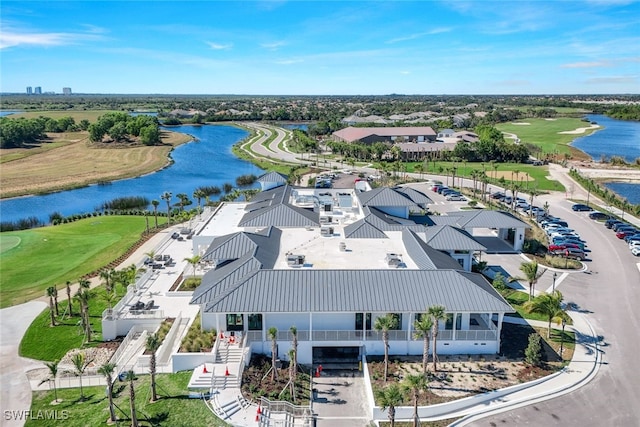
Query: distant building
29,90
66,91
385,134
38,90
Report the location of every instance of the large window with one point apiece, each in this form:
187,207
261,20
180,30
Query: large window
363,321
398,317
234,322
254,322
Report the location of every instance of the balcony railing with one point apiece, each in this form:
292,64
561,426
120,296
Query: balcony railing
477,335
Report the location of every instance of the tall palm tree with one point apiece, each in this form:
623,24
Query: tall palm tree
80,364
198,194
53,374
415,384
292,374
549,305
69,305
166,196
437,313
194,260
107,275
384,324
531,274
273,336
155,205
183,200
423,327
52,312
131,376
294,347
388,398
152,345
83,295
107,370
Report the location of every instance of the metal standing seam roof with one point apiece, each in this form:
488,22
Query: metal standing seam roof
385,196
446,237
214,282
265,245
351,134
426,257
273,177
398,291
416,196
485,219
363,229
271,207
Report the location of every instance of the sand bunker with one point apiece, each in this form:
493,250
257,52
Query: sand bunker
521,124
579,130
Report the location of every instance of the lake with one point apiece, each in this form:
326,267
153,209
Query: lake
618,138
206,161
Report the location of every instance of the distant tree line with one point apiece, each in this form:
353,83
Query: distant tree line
121,126
625,112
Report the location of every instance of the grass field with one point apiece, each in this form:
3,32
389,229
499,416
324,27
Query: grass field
68,161
545,133
52,255
174,408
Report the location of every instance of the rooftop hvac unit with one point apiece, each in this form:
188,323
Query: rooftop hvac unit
393,260
295,260
326,231
326,219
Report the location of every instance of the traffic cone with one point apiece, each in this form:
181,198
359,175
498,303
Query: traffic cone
317,373
259,410
226,371
257,418
204,370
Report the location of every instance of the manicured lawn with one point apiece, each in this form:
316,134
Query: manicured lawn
545,133
52,255
174,408
67,334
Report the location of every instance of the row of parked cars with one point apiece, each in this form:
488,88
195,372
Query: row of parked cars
518,204
448,193
563,241
627,232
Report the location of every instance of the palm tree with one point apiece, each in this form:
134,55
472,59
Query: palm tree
198,194
549,305
166,196
437,313
55,300
155,204
107,275
53,374
531,274
107,370
83,296
80,364
292,374
388,398
273,336
423,328
194,260
152,345
294,347
384,324
227,187
131,376
184,200
50,292
415,384
69,306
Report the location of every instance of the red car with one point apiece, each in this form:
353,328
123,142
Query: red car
626,232
562,247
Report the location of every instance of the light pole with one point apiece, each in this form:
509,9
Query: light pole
564,323
554,282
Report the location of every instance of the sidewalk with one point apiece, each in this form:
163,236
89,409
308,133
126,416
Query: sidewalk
583,367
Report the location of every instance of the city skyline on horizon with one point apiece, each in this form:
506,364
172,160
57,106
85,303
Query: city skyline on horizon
322,48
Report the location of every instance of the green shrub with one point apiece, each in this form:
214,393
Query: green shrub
533,352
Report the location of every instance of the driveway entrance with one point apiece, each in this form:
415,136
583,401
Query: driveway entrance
341,399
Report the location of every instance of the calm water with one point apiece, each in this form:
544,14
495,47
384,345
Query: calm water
618,138
207,161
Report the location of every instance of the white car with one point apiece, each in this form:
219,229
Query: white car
634,243
456,198
636,250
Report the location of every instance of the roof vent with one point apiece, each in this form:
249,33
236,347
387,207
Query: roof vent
393,260
326,231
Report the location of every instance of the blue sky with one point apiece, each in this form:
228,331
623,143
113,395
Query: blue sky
318,48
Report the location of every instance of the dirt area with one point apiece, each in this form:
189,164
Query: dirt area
96,356
75,163
508,175
256,382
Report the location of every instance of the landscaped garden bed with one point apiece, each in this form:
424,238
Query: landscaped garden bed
163,330
256,382
197,340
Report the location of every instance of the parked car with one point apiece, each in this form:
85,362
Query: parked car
579,207
599,216
634,244
497,195
565,241
448,191
456,198
620,225
621,234
636,250
575,253
611,222
632,237
563,246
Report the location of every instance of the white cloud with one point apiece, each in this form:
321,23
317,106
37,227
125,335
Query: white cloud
289,61
218,46
586,64
273,46
612,80
10,37
405,72
419,35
